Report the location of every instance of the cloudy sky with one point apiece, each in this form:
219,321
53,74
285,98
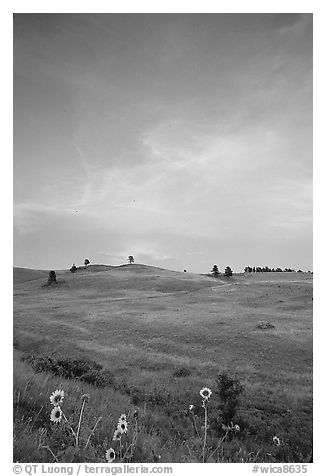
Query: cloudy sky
184,140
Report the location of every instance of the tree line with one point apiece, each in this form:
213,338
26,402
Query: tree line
254,269
266,269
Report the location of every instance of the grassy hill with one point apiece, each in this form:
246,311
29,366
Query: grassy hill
163,335
21,275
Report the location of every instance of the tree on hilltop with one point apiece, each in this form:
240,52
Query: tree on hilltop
228,271
131,259
73,269
52,278
215,270
86,262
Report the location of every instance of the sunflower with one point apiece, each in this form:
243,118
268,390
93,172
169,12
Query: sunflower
205,393
110,455
276,440
116,435
122,427
57,397
123,418
56,415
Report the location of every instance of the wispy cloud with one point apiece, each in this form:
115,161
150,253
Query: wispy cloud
161,136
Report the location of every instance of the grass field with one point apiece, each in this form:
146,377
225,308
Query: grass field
164,335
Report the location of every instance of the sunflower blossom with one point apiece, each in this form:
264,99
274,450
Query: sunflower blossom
276,440
116,435
57,397
110,455
123,418
122,427
205,393
56,415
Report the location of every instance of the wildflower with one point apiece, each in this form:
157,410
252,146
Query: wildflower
205,393
276,440
191,407
57,397
85,398
135,414
236,428
56,415
110,455
116,435
123,418
122,427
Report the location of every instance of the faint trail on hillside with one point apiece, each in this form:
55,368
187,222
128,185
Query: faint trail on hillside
221,285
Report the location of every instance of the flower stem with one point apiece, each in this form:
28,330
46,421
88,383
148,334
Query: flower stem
92,432
79,423
49,449
218,446
132,445
195,425
205,435
72,431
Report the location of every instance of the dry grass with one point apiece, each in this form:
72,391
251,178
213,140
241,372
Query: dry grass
143,324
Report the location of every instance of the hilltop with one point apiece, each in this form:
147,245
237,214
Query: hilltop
102,278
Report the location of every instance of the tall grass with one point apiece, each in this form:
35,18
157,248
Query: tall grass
89,427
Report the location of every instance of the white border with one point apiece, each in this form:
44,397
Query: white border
137,6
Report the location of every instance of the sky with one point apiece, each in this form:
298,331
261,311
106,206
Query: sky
184,140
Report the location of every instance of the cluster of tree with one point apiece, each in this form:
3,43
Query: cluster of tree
215,271
266,269
74,268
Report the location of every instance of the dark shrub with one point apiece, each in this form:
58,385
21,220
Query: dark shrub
97,378
84,370
229,390
265,325
52,277
136,395
183,372
70,368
